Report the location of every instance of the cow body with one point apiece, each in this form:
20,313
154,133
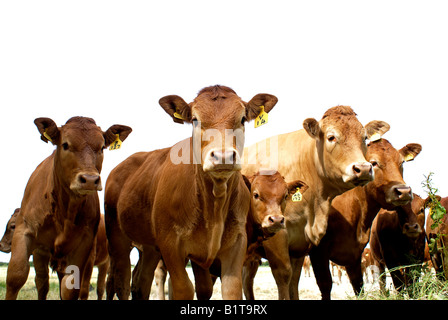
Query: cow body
398,239
330,156
438,255
195,210
59,213
351,214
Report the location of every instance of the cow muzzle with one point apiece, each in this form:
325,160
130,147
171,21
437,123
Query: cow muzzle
412,230
399,195
359,174
217,161
86,183
272,224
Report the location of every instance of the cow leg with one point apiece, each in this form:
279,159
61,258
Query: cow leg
101,280
175,263
41,259
277,253
249,271
141,282
18,267
354,273
160,279
321,269
296,265
87,274
232,269
203,282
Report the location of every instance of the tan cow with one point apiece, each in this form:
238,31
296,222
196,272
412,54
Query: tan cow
188,201
330,156
351,214
60,210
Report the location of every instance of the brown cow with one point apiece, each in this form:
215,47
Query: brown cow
188,201
269,193
330,156
5,243
101,259
438,256
397,239
60,211
352,213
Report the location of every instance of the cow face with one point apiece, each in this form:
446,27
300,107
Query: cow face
341,146
269,194
389,188
218,116
5,243
412,217
79,150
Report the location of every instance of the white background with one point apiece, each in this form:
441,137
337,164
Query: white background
113,61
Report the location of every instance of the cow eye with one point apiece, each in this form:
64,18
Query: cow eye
243,120
65,146
256,196
195,121
331,138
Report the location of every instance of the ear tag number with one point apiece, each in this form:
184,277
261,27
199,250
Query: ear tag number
178,115
116,144
47,136
262,118
297,197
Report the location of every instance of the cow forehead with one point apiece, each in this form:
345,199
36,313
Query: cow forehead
382,149
344,125
271,185
221,109
92,135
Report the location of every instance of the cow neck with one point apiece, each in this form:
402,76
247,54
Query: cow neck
369,208
216,198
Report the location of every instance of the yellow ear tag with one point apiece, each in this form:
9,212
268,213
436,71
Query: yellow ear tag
178,115
47,136
262,118
409,157
116,144
375,137
296,197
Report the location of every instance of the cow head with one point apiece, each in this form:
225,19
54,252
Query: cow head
5,243
79,150
218,116
269,194
341,146
389,188
412,217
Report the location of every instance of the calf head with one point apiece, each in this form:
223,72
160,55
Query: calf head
412,217
389,188
79,150
341,146
5,243
269,194
218,116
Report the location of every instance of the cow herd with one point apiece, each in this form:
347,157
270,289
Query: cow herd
324,191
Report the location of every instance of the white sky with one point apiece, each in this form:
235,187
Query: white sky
113,61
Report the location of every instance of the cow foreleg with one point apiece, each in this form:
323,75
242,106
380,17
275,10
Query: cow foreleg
354,273
19,266
232,261
202,281
249,271
175,263
321,268
277,253
41,258
296,265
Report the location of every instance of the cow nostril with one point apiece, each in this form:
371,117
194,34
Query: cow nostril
97,181
271,220
282,221
356,169
82,179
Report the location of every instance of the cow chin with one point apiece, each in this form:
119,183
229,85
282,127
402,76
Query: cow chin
221,170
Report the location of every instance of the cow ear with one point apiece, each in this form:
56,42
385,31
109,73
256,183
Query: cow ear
253,107
117,129
48,130
312,127
375,129
410,151
177,108
292,186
